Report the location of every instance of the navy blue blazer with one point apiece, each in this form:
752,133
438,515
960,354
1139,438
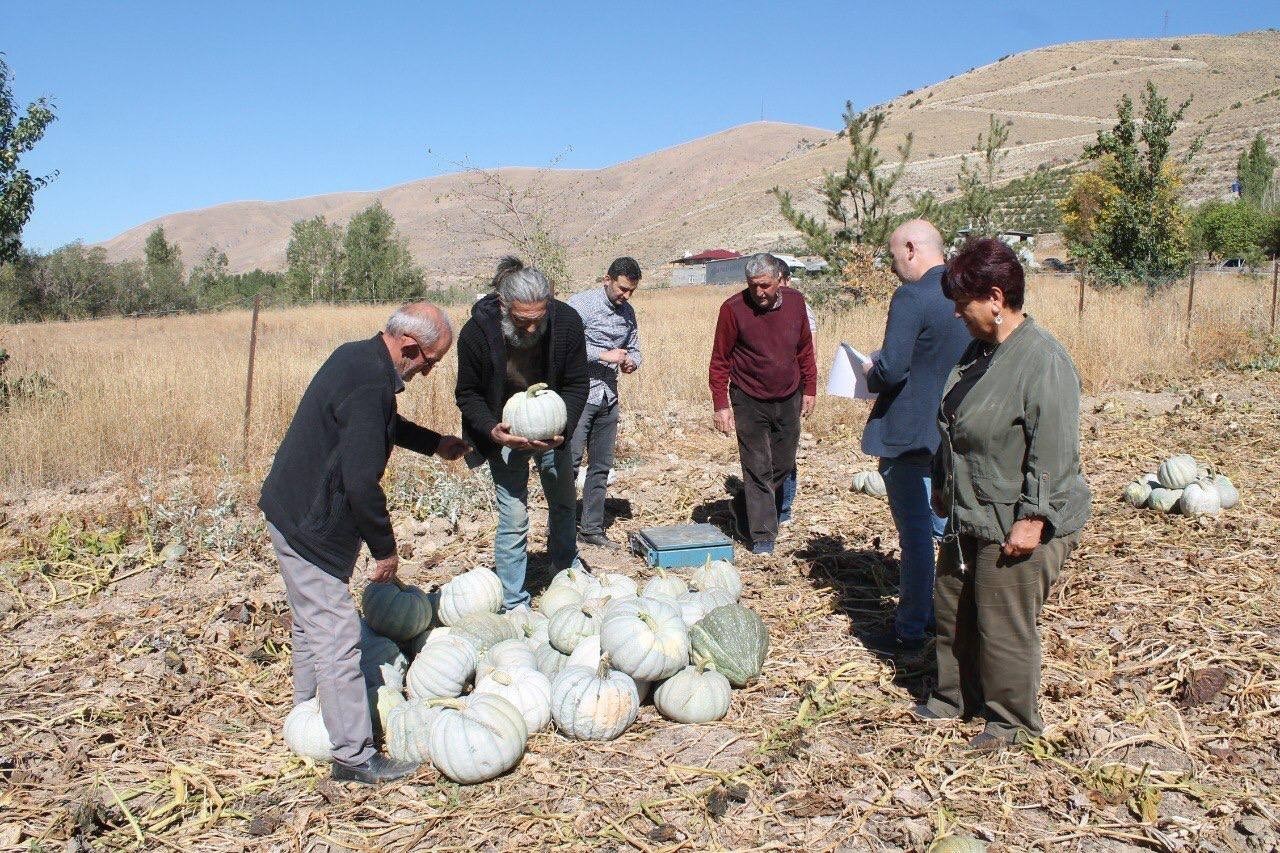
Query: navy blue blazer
923,340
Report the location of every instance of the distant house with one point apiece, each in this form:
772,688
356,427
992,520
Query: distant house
714,266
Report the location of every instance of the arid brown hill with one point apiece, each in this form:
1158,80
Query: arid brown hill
712,191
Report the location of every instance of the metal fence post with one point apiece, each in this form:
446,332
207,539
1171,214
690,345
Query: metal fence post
248,384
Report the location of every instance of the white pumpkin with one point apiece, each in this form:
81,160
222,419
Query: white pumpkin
586,584
305,733
477,738
616,586
536,632
381,701
396,610
1163,499
474,591
665,583
869,483
1200,498
523,617
694,605
538,413
444,667
1178,472
1226,491
593,704
558,596
414,646
645,638
570,625
509,654
587,653
1136,493
381,661
486,630
717,574
409,731
529,691
695,694
549,660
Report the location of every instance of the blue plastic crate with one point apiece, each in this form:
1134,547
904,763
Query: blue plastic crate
681,545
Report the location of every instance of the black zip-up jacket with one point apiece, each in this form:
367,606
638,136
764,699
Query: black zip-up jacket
482,368
324,492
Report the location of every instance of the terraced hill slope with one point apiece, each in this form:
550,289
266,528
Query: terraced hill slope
713,190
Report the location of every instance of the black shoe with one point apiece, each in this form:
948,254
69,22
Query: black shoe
888,642
922,711
984,742
599,540
376,770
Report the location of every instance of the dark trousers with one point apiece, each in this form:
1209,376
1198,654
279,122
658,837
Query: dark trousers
988,644
768,432
596,433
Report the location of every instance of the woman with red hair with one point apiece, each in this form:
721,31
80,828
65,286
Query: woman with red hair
1007,478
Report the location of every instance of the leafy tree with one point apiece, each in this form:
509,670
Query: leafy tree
1229,230
18,136
1254,171
378,264
81,283
210,281
860,199
315,259
165,289
1124,219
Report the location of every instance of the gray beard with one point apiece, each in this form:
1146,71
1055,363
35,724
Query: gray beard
519,340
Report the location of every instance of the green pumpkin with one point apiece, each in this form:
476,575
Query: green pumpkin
734,639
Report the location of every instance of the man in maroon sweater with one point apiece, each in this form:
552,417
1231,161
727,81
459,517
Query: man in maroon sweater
763,381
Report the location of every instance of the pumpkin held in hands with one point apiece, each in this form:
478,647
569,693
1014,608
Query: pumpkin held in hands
537,414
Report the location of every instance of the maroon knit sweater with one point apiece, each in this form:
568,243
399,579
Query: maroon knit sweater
766,354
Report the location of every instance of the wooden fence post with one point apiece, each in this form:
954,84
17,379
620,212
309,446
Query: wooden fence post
1191,295
1275,286
248,384
1080,299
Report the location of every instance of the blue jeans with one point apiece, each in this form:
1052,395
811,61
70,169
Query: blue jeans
510,470
907,485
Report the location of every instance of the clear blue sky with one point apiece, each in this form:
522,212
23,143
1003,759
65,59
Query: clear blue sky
171,106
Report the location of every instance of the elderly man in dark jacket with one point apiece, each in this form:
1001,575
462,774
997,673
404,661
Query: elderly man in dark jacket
323,499
520,336
922,341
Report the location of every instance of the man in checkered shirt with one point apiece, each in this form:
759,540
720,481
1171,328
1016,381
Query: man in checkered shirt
613,347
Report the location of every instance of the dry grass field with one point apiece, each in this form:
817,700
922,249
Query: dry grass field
144,654
156,394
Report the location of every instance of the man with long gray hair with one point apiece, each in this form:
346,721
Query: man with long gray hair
763,380
323,499
519,336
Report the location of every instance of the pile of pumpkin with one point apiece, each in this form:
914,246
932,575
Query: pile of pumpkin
868,483
479,683
1181,484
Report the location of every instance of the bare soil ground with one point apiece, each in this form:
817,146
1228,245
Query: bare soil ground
144,707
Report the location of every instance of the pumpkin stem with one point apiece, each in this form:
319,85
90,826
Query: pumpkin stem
603,669
702,662
503,678
647,620
535,388
447,702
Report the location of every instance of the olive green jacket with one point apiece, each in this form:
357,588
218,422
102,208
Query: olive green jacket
1014,450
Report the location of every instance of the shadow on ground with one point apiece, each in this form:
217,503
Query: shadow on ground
865,581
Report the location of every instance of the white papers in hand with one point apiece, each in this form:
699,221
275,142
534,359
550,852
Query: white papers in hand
848,374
